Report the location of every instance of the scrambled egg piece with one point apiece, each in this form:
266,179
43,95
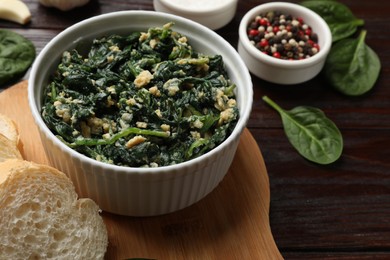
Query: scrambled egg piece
143,79
136,140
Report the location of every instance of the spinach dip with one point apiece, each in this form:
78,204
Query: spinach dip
146,99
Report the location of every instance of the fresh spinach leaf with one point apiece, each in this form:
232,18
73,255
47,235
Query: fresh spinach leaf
311,133
352,67
341,21
16,55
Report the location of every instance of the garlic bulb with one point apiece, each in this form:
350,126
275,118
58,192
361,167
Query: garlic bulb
63,5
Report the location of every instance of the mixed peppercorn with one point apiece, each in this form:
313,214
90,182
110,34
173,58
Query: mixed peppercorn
283,36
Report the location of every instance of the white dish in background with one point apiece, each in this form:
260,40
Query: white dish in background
213,14
284,71
140,191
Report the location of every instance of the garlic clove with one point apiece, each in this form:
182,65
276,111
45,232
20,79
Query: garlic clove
15,11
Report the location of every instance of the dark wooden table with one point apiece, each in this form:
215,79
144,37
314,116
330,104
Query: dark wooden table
337,211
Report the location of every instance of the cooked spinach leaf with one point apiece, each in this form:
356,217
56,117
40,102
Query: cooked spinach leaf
352,67
143,100
16,55
341,21
311,133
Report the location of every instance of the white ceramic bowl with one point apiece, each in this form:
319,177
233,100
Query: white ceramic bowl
140,191
284,71
213,14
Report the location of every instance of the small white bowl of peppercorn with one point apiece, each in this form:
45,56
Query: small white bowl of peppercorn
284,43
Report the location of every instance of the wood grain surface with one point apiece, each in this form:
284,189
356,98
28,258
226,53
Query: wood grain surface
338,211
230,223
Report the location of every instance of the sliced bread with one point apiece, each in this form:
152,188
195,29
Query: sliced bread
41,217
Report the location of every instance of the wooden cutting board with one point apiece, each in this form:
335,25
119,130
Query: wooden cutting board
230,223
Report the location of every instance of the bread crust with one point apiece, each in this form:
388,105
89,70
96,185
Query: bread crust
8,150
9,129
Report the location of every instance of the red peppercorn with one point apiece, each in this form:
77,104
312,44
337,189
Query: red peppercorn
315,45
300,20
308,31
253,32
263,43
275,29
276,55
264,22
